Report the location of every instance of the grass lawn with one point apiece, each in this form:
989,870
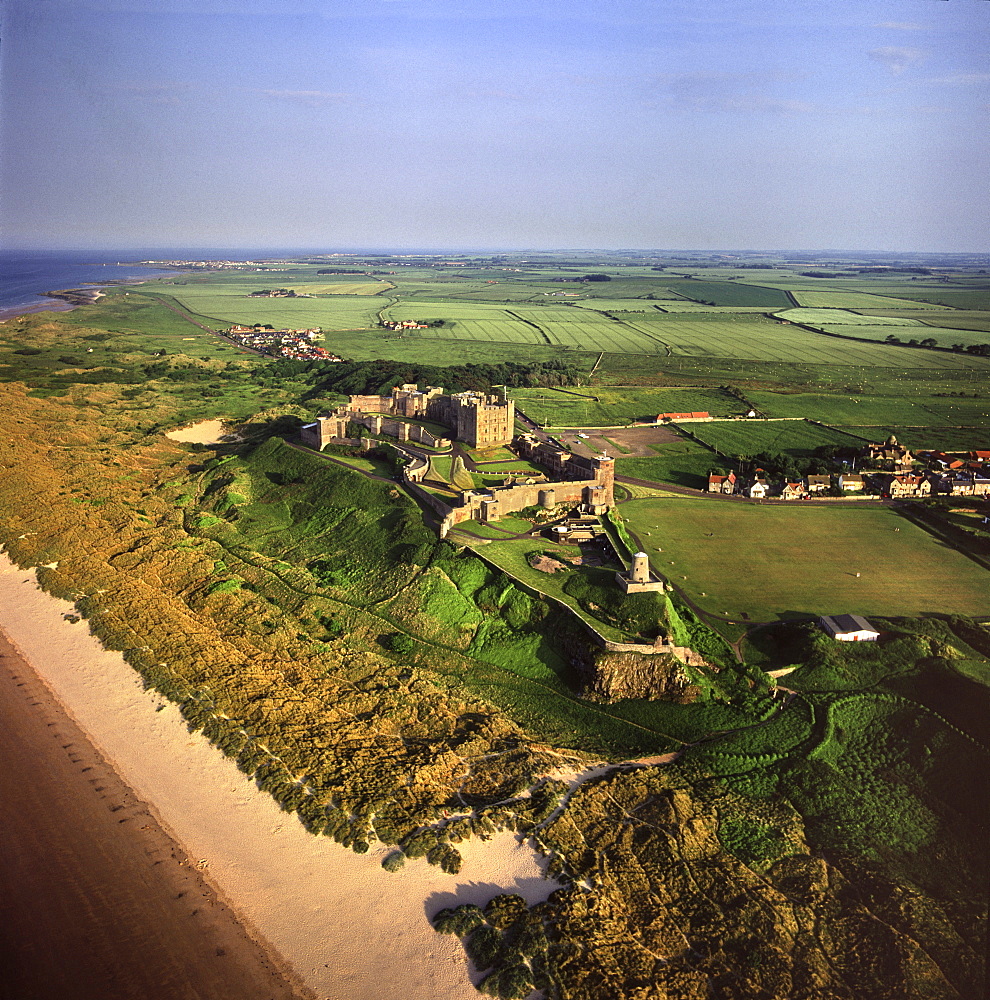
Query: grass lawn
684,463
776,561
511,557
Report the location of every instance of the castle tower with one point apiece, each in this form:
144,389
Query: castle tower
640,572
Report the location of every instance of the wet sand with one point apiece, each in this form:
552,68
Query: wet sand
97,902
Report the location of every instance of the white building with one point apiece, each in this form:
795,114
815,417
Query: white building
849,628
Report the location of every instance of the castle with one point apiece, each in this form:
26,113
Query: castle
479,419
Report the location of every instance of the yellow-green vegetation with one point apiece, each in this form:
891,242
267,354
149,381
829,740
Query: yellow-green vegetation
773,561
390,688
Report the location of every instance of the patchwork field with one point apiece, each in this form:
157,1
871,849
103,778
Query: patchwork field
771,562
943,336
853,300
957,319
750,437
833,408
338,312
619,405
836,317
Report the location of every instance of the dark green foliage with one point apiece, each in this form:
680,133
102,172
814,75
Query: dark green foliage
751,842
361,377
511,983
399,642
484,947
503,911
595,590
394,861
460,921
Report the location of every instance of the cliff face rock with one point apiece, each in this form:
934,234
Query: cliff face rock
611,676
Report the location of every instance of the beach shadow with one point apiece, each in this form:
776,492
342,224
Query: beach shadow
532,889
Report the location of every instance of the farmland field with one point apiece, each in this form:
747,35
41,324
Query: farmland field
750,437
852,300
776,561
767,340
343,288
339,312
933,438
728,293
835,317
684,463
943,336
957,319
835,408
619,405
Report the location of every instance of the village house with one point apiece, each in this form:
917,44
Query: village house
757,489
909,486
722,484
981,484
792,491
817,484
898,457
851,483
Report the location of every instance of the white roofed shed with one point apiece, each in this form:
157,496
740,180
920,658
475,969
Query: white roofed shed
849,628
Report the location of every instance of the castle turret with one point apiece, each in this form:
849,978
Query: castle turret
640,571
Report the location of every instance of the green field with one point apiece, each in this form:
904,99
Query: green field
338,312
848,299
616,406
777,561
837,317
932,438
956,319
797,438
729,293
684,463
833,408
943,336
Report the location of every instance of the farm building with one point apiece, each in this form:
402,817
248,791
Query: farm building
848,628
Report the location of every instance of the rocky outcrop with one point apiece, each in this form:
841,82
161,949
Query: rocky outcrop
611,676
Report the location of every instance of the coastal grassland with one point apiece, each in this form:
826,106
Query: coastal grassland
769,562
796,438
613,405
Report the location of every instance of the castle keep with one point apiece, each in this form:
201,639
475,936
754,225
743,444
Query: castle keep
481,420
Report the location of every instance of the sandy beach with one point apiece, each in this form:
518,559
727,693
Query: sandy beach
347,929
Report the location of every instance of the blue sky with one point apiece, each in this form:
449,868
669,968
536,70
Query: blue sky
779,124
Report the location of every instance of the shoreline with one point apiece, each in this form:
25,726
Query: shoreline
99,891
345,927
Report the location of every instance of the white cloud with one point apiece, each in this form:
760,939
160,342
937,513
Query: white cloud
897,58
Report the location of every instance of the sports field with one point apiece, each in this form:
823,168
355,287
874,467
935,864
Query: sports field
773,561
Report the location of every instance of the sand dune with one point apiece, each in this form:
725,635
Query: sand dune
347,928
